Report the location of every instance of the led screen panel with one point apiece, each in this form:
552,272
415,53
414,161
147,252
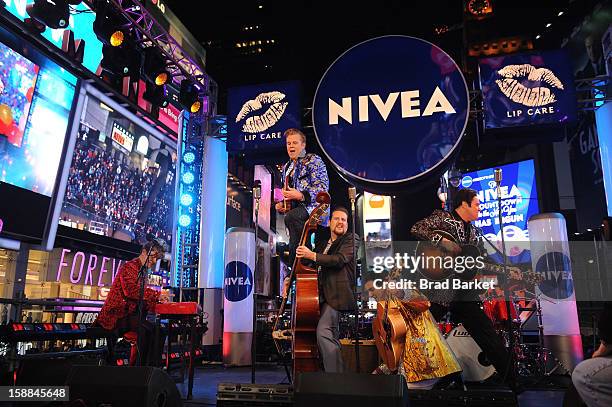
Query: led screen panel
519,202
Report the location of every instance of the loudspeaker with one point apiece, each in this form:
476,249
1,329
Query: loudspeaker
251,395
123,386
456,398
47,372
350,389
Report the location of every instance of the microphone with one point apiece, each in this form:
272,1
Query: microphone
257,189
352,193
498,176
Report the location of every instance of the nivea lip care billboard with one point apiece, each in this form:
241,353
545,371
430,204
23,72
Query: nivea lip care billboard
259,114
527,89
519,202
391,111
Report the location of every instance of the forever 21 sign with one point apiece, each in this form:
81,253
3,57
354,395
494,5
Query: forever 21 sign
391,111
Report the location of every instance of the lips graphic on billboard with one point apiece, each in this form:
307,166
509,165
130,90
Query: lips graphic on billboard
527,89
262,112
526,96
259,114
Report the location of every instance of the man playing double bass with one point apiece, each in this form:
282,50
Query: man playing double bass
465,306
307,176
333,255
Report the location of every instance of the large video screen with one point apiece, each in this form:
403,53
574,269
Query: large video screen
35,105
527,89
37,97
519,202
122,179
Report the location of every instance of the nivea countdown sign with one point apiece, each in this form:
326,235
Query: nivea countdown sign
391,110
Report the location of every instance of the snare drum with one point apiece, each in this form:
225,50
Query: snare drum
471,358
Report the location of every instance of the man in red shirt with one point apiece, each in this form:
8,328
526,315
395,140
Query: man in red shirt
119,313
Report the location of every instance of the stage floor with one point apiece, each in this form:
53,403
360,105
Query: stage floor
209,376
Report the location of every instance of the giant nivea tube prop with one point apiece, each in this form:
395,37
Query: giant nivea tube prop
550,256
238,296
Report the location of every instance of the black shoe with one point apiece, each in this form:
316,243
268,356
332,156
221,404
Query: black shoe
450,382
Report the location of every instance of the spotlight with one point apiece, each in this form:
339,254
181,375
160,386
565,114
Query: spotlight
189,157
121,60
52,13
156,95
109,25
188,178
154,68
184,220
189,97
186,199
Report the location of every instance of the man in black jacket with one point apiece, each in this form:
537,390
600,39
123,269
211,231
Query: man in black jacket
464,305
333,255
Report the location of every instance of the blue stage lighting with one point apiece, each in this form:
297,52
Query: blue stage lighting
188,178
186,199
184,220
189,157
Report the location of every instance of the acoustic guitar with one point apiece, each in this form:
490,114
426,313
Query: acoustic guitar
389,328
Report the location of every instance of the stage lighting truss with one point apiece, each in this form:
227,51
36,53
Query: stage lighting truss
147,31
592,92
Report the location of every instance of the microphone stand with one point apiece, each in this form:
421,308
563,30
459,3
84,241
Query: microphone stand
352,197
510,369
142,274
257,196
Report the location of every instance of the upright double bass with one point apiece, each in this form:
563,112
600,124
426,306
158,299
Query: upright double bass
305,308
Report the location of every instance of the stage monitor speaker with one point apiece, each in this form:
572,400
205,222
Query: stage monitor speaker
350,389
122,386
252,395
456,398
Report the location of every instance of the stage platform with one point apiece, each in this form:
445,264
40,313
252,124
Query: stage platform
208,377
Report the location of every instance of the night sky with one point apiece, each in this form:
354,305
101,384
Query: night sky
308,36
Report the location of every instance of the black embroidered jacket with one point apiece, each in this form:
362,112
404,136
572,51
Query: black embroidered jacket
426,228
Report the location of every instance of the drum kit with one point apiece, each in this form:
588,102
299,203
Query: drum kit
531,357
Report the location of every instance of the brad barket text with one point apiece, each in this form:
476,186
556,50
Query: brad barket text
411,263
426,284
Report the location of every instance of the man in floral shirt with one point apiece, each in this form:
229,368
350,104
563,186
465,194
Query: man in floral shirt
307,176
119,313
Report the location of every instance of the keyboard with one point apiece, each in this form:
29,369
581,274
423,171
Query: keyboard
178,308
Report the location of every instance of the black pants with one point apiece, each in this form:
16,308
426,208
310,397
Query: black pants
480,327
130,324
294,221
